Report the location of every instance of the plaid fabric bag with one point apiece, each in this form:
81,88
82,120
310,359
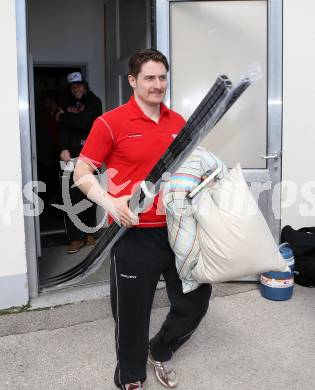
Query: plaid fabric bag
181,223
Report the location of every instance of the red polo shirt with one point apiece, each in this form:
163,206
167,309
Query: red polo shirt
130,144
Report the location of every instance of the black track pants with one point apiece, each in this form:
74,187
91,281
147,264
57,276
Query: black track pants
138,259
87,217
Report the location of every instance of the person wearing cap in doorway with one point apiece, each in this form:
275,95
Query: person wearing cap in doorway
75,121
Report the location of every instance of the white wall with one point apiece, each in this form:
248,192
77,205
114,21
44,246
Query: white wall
12,238
70,31
11,224
298,113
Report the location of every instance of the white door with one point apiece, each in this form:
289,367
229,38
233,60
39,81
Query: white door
204,39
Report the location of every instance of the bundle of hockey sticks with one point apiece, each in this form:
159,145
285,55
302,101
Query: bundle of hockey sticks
215,104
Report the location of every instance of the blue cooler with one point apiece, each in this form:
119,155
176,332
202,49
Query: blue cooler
278,286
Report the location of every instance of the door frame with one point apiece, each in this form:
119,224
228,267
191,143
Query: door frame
272,173
28,139
26,143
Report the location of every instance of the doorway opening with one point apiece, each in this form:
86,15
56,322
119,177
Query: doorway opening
63,37
49,94
84,41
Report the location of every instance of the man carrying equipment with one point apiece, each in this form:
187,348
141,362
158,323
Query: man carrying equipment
131,139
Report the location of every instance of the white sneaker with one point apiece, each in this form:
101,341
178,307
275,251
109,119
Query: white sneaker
134,386
164,373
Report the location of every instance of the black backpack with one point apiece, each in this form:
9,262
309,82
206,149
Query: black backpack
302,243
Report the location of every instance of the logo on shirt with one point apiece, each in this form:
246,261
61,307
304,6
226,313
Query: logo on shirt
134,135
129,276
174,136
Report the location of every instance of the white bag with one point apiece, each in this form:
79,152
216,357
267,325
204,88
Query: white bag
234,238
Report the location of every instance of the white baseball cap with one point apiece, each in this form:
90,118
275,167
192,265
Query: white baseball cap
75,77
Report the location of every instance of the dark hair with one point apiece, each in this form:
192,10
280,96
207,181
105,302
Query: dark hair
144,55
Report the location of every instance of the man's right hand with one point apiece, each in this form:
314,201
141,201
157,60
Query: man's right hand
58,113
120,211
65,155
116,207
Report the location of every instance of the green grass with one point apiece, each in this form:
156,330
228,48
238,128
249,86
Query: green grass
21,309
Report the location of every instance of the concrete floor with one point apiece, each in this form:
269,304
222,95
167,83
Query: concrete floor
245,342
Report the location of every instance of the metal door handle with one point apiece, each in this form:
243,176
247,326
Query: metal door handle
274,156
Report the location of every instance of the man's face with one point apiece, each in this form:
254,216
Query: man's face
151,83
78,90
